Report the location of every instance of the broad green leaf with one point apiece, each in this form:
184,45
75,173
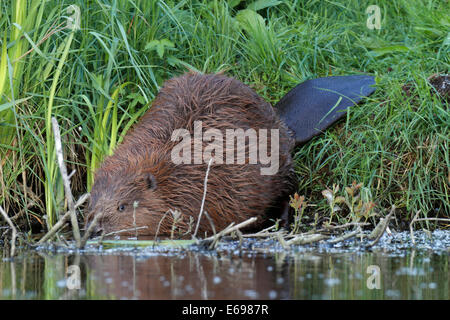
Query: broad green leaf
160,50
262,4
250,21
151,45
233,3
167,43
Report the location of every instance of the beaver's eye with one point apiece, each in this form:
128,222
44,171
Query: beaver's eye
121,207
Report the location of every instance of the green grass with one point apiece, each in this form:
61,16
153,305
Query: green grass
98,80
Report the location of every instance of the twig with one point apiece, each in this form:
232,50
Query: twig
379,230
100,238
13,231
432,219
306,239
63,219
283,243
62,241
346,236
343,226
159,224
211,222
66,181
123,230
205,188
216,238
231,228
411,231
135,205
71,174
267,229
89,230
264,233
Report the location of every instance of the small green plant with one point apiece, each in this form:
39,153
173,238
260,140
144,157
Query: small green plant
160,46
299,204
333,200
176,218
359,207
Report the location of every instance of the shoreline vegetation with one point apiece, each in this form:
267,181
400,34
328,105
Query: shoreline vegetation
92,69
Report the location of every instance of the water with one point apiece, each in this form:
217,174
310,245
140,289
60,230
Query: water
252,271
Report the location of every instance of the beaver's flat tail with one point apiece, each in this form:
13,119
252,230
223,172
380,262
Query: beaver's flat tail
316,104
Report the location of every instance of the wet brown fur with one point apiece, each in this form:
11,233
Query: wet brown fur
235,192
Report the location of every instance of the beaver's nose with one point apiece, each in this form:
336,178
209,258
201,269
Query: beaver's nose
94,225
94,231
98,231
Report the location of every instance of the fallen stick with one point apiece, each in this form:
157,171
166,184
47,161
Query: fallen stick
66,182
211,222
99,239
411,231
63,219
215,238
123,230
345,236
432,219
343,226
306,239
267,229
261,235
264,233
89,230
283,243
13,231
231,228
379,230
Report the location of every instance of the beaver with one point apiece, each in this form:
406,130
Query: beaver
154,184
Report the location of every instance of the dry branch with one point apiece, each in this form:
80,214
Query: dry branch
306,239
411,231
379,230
346,236
66,181
63,219
205,189
89,230
231,228
13,230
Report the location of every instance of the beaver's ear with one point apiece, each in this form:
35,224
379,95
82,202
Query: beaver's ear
150,180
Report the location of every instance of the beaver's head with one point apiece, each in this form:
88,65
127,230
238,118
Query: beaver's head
129,199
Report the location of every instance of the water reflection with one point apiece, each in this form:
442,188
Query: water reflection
189,275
